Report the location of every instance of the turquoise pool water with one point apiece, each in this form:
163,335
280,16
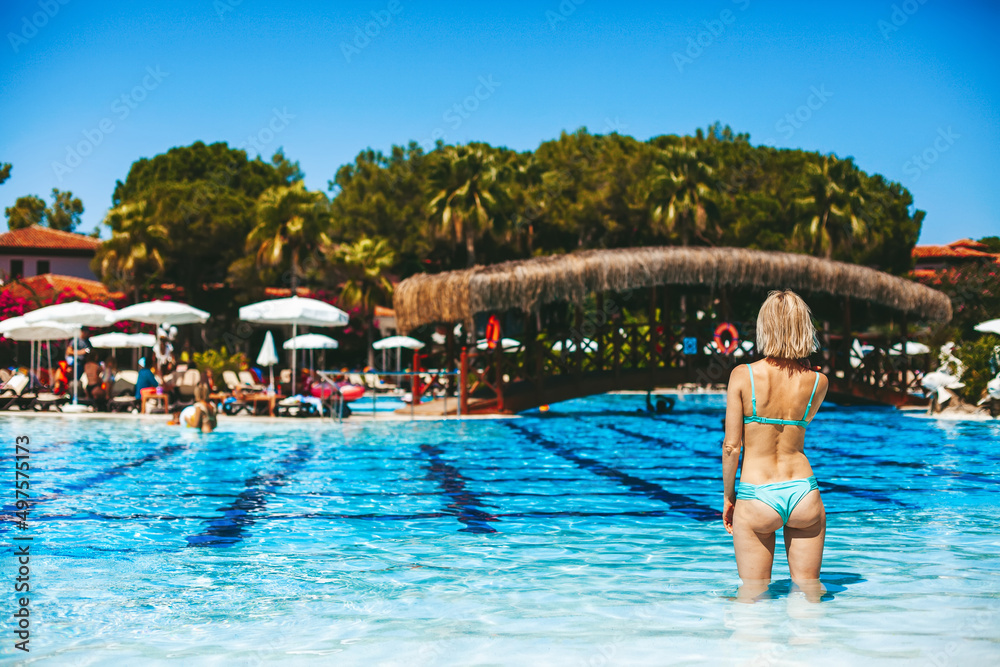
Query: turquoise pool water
586,536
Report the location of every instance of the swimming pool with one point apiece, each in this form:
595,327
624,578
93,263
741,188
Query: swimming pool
587,535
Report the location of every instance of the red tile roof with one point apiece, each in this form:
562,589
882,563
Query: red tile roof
45,288
964,249
42,238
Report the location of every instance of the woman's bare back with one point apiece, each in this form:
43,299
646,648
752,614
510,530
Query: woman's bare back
774,453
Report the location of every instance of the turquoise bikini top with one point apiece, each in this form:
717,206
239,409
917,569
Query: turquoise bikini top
785,422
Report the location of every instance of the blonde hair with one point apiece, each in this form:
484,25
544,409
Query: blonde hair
784,327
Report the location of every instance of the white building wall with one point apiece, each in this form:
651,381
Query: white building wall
78,267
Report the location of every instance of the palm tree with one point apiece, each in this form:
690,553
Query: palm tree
834,203
289,220
364,265
680,184
465,183
133,253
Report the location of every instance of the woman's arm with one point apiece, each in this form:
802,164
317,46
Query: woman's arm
732,443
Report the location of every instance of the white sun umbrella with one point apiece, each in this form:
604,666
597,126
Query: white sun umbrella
39,331
393,342
116,339
12,323
268,356
586,344
74,313
989,326
397,343
295,310
912,347
508,345
311,342
161,312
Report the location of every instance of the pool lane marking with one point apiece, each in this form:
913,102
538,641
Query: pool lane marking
6,513
683,504
463,503
825,485
239,514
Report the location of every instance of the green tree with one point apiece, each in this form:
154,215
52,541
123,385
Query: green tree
466,186
65,211
26,211
5,168
363,266
682,184
833,206
290,219
197,200
992,243
132,257
63,214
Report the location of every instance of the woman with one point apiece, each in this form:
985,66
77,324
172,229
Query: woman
202,414
93,372
768,406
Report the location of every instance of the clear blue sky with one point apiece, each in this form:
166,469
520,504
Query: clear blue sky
889,91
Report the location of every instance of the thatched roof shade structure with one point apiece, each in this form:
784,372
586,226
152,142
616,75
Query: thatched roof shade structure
456,296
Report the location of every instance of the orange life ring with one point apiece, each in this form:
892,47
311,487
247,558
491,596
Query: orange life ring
492,332
734,338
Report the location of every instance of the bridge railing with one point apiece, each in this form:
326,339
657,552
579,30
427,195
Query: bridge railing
628,348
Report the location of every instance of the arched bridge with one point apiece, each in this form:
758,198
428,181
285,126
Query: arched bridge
596,321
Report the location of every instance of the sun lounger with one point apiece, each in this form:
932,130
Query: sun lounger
14,392
46,400
122,395
299,406
250,382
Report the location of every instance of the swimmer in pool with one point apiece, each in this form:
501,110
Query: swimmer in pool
202,414
769,404
663,404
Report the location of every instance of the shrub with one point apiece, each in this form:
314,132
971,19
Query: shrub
976,356
220,360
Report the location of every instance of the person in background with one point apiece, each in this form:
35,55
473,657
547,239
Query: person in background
201,415
146,382
60,382
110,372
93,372
208,379
663,404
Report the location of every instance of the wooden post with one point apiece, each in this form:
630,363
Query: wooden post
904,360
599,332
578,341
668,327
848,370
463,387
654,337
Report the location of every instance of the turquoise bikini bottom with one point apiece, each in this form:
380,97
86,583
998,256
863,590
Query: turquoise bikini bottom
782,497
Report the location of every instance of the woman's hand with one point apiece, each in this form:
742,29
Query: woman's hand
728,508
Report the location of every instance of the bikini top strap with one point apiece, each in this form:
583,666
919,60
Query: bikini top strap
753,394
811,396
